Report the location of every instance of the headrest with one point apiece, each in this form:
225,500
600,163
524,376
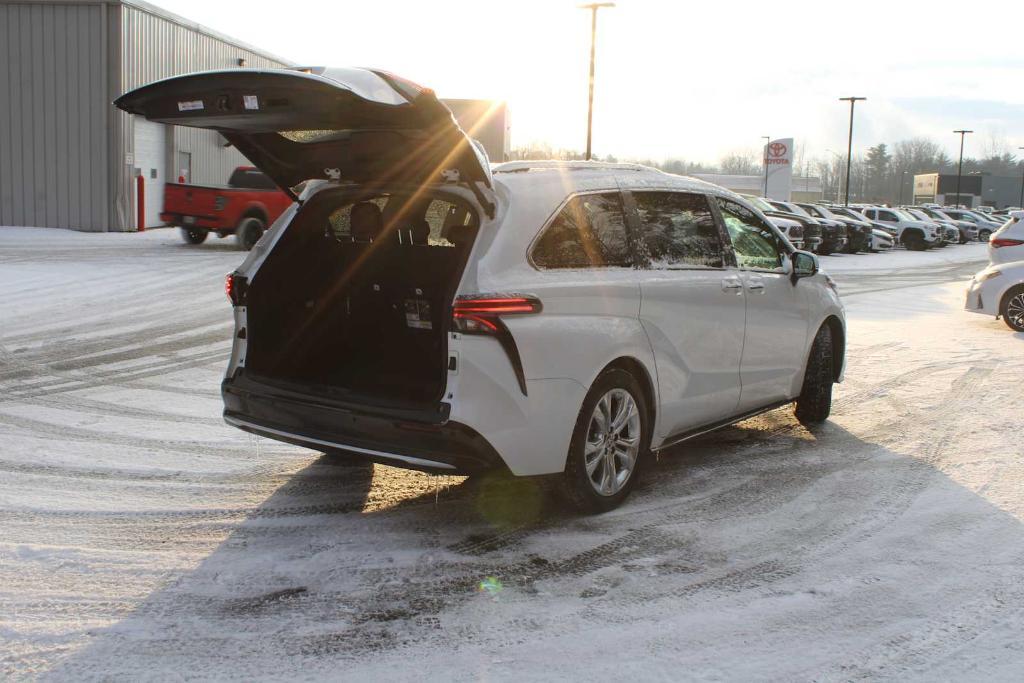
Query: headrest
365,222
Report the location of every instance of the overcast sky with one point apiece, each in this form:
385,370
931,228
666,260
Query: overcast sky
693,80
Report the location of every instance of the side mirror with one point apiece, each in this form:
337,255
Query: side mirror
805,264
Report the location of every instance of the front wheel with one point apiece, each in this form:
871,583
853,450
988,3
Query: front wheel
193,235
249,232
815,401
609,443
914,242
1012,308
983,235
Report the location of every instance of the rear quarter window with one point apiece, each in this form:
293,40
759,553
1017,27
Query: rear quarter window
589,232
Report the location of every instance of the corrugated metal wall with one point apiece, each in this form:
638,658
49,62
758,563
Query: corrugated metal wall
156,47
53,116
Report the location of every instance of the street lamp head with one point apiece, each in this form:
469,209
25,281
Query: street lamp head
851,99
963,132
596,5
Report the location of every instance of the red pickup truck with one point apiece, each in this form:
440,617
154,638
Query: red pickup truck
250,202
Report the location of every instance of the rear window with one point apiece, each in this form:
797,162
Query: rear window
250,179
589,232
677,230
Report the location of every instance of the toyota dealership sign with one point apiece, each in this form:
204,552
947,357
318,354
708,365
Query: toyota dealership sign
778,160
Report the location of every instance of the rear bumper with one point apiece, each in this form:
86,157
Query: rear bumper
448,447
190,221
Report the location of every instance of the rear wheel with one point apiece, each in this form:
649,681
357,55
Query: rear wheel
815,401
249,232
1012,308
194,235
983,235
608,444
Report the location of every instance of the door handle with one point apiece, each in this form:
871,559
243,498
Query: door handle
756,285
732,283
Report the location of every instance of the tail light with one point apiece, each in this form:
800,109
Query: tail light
1005,242
236,286
483,315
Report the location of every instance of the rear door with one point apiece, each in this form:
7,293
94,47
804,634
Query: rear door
692,308
336,124
775,338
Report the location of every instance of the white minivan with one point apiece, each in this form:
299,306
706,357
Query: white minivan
417,308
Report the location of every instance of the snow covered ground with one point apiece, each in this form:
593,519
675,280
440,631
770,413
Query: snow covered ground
141,538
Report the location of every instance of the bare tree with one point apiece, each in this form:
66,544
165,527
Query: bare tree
739,163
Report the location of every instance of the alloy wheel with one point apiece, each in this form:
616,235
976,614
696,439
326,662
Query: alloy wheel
613,442
1015,311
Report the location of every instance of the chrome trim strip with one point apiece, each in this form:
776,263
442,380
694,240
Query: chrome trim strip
381,454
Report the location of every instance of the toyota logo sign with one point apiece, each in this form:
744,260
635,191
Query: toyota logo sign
777,149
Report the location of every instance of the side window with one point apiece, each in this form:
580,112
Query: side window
589,232
887,216
755,243
677,230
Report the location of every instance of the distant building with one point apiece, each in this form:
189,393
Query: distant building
68,157
487,121
805,189
975,190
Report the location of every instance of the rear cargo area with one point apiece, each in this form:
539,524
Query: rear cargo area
354,301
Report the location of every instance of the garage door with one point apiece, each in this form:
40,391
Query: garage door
151,161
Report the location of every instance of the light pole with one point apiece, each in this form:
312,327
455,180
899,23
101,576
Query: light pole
849,144
1021,205
903,179
593,7
960,166
768,141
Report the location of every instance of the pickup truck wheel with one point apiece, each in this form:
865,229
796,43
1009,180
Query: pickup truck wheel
249,232
914,241
609,443
194,235
1012,308
815,401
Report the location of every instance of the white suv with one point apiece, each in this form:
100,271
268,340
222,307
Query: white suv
415,308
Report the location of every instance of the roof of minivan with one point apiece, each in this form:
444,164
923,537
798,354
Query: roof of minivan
577,175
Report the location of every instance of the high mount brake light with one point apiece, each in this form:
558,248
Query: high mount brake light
235,287
481,315
1005,242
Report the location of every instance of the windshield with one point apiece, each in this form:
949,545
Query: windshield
794,208
761,204
904,215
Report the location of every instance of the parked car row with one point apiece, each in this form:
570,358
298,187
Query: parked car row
998,290
827,228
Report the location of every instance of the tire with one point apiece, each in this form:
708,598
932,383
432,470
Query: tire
815,401
596,491
914,242
194,235
249,232
1012,308
983,235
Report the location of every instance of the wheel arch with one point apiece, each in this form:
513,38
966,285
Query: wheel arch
255,211
838,331
638,370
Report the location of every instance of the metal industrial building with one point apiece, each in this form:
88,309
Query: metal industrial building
976,189
68,157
